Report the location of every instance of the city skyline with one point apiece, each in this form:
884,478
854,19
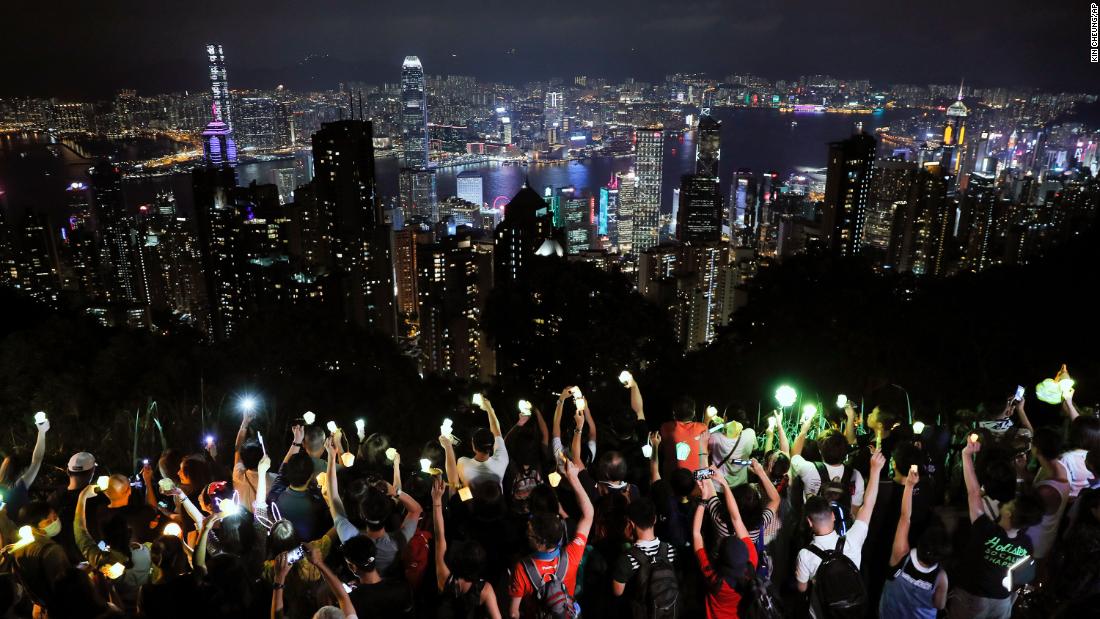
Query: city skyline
133,52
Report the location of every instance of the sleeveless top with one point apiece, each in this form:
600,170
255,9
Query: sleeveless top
1044,534
909,590
453,604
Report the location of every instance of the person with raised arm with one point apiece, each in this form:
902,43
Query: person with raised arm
726,576
490,459
459,574
246,456
685,440
916,584
17,475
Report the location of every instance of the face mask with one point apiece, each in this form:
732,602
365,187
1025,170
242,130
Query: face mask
53,528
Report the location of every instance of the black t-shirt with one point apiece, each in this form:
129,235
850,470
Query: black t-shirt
63,501
389,598
987,557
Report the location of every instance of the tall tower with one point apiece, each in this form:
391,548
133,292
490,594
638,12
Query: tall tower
699,214
847,191
414,115
219,84
708,151
649,164
118,233
954,132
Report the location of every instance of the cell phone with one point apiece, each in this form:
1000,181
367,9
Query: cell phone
295,555
347,588
701,474
740,462
1019,394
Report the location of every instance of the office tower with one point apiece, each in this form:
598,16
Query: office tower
649,163
458,212
414,115
216,222
417,191
344,185
890,182
742,210
607,217
526,226
921,231
628,192
9,272
449,305
218,145
847,190
261,123
79,246
577,210
469,187
699,216
219,85
403,243
979,223
552,117
708,146
117,233
954,134
286,179
35,258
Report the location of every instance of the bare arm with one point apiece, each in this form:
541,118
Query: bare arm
654,459
489,601
901,534
442,572
939,595
556,426
331,580
769,438
397,471
784,445
282,568
299,433
1024,421
37,455
200,548
150,494
731,506
544,432
513,608
870,495
697,527
850,423
494,423
584,525
770,492
1068,406
450,464
335,503
800,440
588,419
578,433
242,435
636,403
970,476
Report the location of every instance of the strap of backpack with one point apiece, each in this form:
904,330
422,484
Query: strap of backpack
822,475
846,479
821,554
732,451
534,576
563,565
840,545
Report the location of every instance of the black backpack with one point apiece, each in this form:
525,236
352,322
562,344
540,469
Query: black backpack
657,590
760,599
839,492
838,589
554,601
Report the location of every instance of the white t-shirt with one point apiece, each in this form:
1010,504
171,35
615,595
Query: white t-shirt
1079,474
808,562
473,471
811,482
720,445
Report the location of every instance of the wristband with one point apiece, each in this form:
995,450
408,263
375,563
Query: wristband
277,585
295,444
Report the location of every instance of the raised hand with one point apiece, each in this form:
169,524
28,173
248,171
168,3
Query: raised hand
298,432
913,478
438,489
878,461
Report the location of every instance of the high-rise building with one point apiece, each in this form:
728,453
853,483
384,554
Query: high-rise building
261,123
526,227
218,145
847,191
118,234
449,305
219,85
469,187
954,134
628,196
414,114
708,146
577,210
344,185
699,213
980,221
921,230
419,200
649,166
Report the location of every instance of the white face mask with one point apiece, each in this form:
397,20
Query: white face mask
53,528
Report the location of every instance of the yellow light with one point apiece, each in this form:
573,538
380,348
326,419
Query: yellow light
115,571
947,135
322,479
974,438
555,478
165,485
347,459
581,403
173,529
26,536
711,412
465,493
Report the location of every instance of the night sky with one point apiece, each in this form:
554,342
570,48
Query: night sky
91,48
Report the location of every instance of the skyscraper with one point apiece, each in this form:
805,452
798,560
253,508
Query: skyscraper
414,115
918,242
624,220
847,191
526,226
708,143
219,85
470,188
649,164
118,233
954,134
419,199
699,212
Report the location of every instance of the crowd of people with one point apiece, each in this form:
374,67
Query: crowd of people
577,513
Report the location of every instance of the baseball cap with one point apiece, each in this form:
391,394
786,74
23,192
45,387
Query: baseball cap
81,462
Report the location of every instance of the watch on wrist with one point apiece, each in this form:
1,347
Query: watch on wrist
277,585
295,444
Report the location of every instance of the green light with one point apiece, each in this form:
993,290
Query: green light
786,396
1049,391
808,412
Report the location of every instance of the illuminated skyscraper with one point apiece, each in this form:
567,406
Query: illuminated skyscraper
624,220
219,85
117,233
708,142
649,165
419,200
699,212
921,231
980,221
847,192
526,226
414,114
954,134
469,187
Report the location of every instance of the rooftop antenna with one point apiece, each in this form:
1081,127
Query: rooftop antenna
960,97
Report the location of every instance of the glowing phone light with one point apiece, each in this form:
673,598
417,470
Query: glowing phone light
711,412
524,407
425,464
40,417
477,400
172,529
918,427
626,378
786,396
647,451
808,412
115,571
555,478
465,493
102,482
841,401
347,459
391,454
309,417
331,427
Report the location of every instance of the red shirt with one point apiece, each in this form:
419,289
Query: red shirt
521,586
722,599
673,432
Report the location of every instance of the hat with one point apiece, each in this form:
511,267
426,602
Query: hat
733,560
81,462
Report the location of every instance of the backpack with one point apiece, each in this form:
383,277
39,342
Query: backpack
839,492
759,599
554,601
657,591
838,589
416,556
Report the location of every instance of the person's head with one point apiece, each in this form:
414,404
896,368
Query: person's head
168,464
833,446
682,482
542,500
168,553
40,517
329,612
1084,433
997,474
777,463
612,467
683,408
118,490
373,450
545,532
641,516
251,453
1047,443
906,455
934,545
81,469
298,470
213,494
194,471
74,595
1024,511
282,538
732,562
237,535
881,419
466,559
375,508
360,554
15,462
314,441
482,442
749,504
819,515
